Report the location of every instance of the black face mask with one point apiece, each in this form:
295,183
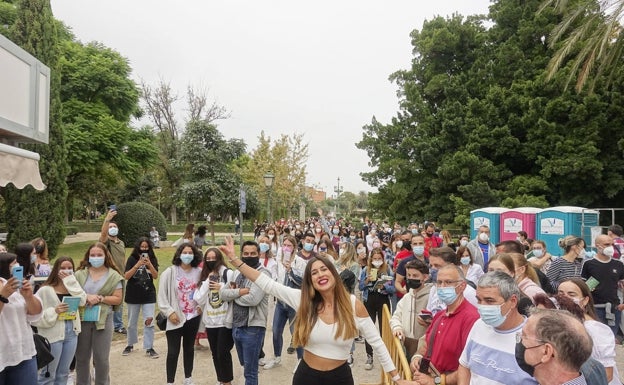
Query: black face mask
251,261
407,245
210,264
520,349
413,283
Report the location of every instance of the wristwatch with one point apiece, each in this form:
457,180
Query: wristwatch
3,299
437,380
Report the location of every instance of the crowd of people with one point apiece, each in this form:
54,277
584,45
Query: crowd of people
467,311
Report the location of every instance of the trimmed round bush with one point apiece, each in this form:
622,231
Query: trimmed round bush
135,220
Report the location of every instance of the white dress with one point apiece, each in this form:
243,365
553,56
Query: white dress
604,347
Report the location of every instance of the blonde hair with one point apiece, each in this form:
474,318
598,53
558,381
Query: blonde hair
348,258
446,236
521,261
312,301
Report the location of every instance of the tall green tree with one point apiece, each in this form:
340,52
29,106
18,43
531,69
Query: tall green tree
32,213
479,124
99,98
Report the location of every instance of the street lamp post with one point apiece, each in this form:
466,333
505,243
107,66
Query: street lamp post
338,191
159,190
268,182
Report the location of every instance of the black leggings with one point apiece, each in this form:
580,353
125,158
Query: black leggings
305,375
186,334
374,305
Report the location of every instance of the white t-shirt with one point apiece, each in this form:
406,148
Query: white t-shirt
489,354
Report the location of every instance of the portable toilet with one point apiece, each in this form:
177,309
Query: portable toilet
555,223
518,219
487,216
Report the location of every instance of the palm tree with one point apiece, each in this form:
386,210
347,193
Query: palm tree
591,31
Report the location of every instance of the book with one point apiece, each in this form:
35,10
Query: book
90,313
72,312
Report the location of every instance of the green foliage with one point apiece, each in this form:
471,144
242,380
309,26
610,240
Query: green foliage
32,213
210,187
479,125
135,220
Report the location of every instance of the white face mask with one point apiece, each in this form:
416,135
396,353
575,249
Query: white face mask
483,237
377,263
463,242
67,271
608,251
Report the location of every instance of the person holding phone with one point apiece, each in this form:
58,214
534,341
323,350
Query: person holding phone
59,327
376,285
18,307
141,271
214,275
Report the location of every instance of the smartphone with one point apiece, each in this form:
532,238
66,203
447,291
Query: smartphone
144,255
213,278
373,274
112,207
18,273
424,365
425,316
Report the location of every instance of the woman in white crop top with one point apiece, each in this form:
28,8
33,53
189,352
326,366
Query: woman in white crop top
328,319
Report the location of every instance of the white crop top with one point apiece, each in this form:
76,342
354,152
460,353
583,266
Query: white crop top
321,341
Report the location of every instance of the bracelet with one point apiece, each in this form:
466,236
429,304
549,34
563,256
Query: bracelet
416,356
100,298
239,266
396,377
442,379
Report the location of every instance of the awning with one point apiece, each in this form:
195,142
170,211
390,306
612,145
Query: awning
20,167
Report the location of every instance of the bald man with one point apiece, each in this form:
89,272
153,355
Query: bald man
602,274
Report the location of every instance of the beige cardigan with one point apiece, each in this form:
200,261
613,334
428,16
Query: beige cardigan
48,325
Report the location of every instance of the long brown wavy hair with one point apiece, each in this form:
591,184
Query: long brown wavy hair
312,301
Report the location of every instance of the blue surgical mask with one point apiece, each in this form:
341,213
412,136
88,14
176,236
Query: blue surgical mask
308,246
96,261
414,231
418,250
264,247
491,314
447,295
113,231
186,258
33,258
538,253
465,260
335,231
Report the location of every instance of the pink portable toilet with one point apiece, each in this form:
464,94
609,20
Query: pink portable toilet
518,219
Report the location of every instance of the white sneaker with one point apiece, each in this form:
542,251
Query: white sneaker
273,363
261,362
188,381
296,366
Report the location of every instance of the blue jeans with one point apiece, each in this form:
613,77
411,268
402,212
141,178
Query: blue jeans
118,318
24,373
248,341
282,314
63,352
133,319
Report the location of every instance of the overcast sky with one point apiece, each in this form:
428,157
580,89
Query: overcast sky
320,68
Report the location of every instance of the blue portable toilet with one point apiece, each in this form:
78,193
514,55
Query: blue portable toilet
555,223
487,216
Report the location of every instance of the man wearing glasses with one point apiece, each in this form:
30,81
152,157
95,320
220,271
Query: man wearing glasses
552,347
489,354
437,361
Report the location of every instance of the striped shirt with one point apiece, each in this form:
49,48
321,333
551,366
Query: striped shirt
561,269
